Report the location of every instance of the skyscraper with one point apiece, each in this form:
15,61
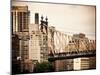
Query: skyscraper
20,28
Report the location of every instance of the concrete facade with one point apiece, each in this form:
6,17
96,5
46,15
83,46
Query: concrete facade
38,43
20,27
64,65
34,42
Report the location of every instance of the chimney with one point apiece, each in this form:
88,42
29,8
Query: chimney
36,18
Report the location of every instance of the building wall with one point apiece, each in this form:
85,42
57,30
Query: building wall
20,18
38,44
20,27
77,63
34,42
44,47
15,54
92,61
15,47
64,65
84,63
20,22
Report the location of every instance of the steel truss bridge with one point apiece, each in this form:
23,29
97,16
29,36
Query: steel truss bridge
66,46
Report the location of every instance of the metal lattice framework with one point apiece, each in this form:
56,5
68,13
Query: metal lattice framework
69,46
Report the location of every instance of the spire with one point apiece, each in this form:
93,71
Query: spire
46,22
46,19
42,17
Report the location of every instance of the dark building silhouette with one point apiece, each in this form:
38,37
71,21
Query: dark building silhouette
20,37
36,18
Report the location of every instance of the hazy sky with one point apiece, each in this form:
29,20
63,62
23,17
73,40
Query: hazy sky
67,18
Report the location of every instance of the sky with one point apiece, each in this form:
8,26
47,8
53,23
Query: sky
64,17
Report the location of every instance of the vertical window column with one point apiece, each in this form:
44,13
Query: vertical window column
16,25
20,48
14,21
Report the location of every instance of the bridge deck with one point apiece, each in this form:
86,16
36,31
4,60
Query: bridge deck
71,55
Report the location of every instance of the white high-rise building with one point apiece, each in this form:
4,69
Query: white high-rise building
34,42
38,43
